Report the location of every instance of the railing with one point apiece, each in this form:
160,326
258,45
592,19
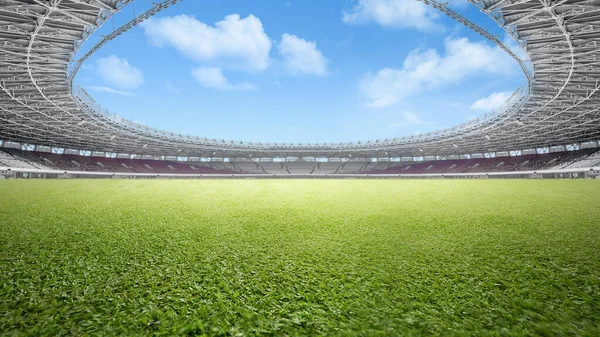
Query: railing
588,172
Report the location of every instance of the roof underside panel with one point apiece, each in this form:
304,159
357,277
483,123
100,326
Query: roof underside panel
561,105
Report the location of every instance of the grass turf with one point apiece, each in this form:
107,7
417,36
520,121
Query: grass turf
300,257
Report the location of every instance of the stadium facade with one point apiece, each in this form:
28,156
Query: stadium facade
556,111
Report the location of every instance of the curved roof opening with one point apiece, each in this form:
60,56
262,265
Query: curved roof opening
250,71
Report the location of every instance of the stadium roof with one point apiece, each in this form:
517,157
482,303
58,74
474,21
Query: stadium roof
38,105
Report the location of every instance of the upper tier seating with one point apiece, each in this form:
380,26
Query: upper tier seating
67,162
326,168
16,158
570,159
28,161
592,160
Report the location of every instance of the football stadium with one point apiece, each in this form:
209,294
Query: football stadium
483,225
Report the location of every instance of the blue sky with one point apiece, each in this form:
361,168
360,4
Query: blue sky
300,71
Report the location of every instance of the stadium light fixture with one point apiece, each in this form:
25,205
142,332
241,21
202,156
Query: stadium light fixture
487,137
113,137
456,146
145,145
81,123
519,122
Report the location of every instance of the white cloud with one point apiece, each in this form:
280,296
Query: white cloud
113,91
408,118
492,102
171,88
427,69
119,73
232,43
301,56
392,13
214,78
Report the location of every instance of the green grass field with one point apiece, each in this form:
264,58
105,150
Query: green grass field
300,257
